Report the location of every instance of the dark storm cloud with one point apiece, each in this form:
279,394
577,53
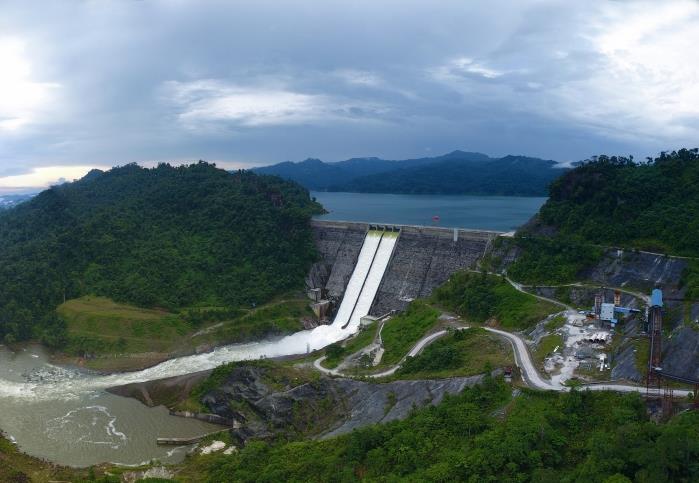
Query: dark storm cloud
99,83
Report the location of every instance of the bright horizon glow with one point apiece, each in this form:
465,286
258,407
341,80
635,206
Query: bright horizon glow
21,97
44,177
261,82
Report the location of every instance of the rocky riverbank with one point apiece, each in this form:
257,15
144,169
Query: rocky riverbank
264,404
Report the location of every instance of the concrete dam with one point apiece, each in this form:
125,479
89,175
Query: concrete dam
413,262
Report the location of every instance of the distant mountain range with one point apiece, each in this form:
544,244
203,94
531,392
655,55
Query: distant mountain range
9,201
458,172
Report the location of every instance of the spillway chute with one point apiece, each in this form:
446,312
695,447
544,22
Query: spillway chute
358,305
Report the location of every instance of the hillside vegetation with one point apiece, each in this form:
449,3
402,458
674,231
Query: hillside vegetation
484,435
508,176
480,297
18,467
401,332
163,238
615,201
465,352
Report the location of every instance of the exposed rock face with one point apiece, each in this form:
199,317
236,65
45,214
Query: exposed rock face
369,403
262,410
624,358
625,365
166,392
584,296
325,406
639,270
681,353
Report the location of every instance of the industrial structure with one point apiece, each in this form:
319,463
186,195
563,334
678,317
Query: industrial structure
607,312
658,382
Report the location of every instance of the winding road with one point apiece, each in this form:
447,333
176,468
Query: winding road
523,359
531,375
417,348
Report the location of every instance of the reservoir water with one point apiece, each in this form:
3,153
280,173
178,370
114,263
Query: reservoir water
499,213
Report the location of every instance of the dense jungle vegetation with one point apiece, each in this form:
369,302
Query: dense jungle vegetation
614,201
484,435
167,237
555,260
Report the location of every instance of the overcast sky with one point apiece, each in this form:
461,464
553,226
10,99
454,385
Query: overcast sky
98,83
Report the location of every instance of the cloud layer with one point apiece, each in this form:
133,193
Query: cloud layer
254,82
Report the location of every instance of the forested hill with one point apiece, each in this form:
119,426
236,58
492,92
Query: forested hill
458,172
509,176
614,201
163,237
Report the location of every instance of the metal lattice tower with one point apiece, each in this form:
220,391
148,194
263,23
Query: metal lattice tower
655,329
655,381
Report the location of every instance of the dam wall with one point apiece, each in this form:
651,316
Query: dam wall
423,258
339,246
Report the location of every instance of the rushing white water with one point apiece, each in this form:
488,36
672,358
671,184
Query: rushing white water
359,275
374,277
359,295
65,416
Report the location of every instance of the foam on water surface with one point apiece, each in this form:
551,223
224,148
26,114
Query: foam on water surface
43,406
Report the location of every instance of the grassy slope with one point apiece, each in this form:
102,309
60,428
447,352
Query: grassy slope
463,353
546,346
336,353
138,329
481,298
516,310
402,332
276,318
101,327
511,309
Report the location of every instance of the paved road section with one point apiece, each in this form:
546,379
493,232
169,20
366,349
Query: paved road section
417,348
523,359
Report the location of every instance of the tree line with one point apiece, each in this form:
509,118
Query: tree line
170,237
